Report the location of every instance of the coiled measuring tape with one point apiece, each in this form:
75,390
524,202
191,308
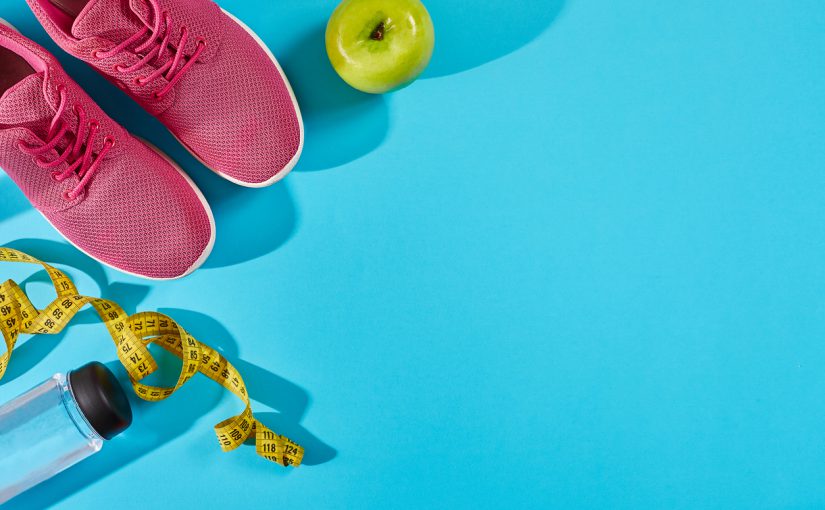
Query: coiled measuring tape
132,336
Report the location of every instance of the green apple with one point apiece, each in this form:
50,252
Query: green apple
380,45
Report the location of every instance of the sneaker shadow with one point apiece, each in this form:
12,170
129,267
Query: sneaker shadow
341,123
498,28
12,200
32,349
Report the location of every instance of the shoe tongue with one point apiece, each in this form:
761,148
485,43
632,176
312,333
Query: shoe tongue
25,105
111,19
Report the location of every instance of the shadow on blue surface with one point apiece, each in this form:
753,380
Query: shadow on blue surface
289,401
12,200
156,424
467,36
33,349
250,222
342,124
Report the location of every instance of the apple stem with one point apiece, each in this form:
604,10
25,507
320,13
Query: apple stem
378,33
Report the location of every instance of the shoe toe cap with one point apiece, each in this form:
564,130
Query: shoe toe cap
237,113
141,216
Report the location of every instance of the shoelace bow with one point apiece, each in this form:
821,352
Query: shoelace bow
160,36
83,163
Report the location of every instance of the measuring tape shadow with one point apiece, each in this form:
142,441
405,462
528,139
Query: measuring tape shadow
132,335
288,401
29,354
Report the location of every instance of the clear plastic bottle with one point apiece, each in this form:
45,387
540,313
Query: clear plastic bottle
57,424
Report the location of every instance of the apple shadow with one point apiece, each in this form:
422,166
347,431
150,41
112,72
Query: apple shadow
341,123
498,28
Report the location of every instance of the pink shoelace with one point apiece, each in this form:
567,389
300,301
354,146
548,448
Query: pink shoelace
86,164
160,36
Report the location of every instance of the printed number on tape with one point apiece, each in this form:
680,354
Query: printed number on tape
132,336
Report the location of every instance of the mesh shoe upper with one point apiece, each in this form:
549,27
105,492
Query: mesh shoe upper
233,107
137,213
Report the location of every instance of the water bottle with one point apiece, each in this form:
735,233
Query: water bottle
57,424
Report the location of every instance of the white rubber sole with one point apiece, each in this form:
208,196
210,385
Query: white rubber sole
6,23
198,263
212,228
294,161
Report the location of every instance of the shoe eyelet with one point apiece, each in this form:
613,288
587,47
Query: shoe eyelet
98,54
54,176
119,68
138,81
156,96
20,146
201,42
110,140
67,195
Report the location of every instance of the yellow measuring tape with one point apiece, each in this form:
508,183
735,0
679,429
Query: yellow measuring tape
132,336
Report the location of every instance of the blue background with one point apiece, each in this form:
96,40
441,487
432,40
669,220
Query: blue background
579,265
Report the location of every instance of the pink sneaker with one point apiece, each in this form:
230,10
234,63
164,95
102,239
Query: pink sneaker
199,70
113,197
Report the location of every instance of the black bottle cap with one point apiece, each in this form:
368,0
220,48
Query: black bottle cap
101,399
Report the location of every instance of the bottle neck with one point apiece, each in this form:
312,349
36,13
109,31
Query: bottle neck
77,416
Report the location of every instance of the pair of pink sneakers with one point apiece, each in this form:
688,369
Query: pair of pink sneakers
204,74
